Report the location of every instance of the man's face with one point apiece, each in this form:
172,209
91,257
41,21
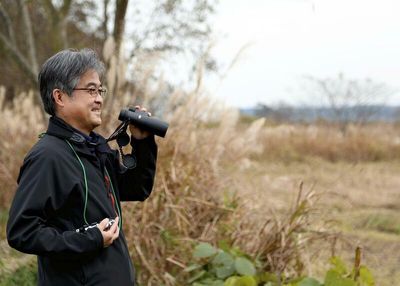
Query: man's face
83,110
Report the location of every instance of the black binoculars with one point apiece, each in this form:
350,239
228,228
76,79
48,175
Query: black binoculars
143,121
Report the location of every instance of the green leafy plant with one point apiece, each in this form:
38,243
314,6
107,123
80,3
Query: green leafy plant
215,266
231,267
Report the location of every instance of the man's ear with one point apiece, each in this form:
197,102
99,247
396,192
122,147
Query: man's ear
59,97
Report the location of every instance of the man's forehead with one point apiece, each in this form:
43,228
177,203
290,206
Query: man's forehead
90,77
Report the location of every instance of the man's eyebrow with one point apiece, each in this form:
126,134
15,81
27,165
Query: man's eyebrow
93,84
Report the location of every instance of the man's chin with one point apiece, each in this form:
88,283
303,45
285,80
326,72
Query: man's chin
96,122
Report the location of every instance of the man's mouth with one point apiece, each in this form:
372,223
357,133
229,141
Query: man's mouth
96,110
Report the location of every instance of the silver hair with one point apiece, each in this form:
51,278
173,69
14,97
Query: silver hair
63,71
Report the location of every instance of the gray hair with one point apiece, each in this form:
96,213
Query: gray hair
63,71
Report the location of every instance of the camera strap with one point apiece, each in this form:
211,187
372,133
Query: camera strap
123,139
119,130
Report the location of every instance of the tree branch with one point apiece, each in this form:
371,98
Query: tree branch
58,23
64,10
10,45
19,59
29,35
7,22
51,10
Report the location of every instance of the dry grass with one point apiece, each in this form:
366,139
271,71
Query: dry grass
361,200
21,122
194,199
374,142
218,180
281,241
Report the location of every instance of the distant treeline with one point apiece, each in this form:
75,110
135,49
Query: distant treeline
360,113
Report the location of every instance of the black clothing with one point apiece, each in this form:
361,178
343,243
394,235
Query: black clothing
50,205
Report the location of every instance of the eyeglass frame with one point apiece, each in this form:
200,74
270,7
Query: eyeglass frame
94,91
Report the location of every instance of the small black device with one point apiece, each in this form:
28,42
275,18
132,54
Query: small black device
86,227
109,224
95,224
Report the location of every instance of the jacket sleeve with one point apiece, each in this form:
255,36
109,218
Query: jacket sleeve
136,184
42,190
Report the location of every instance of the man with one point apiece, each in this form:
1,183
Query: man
71,183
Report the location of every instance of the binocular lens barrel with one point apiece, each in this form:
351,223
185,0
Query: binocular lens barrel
143,121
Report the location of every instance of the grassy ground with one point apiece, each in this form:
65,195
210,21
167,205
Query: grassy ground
361,200
356,177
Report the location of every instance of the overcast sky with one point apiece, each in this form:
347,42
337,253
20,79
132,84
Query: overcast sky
292,38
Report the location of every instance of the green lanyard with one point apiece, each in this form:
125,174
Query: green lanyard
87,189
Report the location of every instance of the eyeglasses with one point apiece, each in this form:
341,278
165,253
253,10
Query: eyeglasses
93,91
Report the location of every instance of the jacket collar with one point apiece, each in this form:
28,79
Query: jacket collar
61,129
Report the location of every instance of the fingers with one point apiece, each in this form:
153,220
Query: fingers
111,234
103,223
114,228
138,133
138,107
116,231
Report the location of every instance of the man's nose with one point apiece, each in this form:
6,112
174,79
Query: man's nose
98,97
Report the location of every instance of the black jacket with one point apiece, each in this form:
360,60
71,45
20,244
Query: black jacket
50,205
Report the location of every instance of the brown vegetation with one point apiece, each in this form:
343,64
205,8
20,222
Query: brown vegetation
197,199
374,142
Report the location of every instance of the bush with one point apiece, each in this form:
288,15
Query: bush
231,267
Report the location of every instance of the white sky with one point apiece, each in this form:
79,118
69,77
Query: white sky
292,38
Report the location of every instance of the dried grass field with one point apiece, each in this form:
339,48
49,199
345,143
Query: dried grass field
290,195
359,201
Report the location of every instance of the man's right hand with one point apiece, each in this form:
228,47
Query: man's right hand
109,235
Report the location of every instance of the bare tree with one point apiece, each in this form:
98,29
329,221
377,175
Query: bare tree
27,62
350,100
30,31
174,25
48,26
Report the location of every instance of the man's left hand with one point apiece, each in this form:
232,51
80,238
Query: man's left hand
136,132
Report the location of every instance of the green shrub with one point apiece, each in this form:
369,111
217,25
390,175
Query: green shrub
231,267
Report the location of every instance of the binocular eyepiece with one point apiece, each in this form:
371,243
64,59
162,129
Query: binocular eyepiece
143,121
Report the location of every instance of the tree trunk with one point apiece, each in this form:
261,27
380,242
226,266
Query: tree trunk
105,21
119,26
119,22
